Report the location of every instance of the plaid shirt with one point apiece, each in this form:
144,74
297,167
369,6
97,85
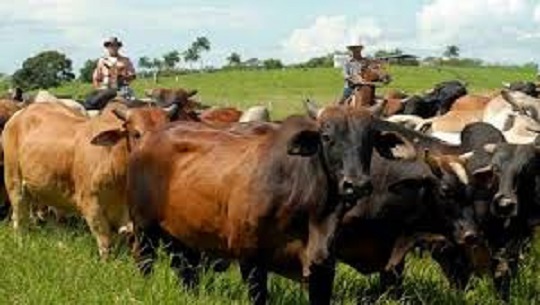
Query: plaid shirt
352,68
110,69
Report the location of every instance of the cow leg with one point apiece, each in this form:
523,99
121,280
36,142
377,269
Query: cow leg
144,249
454,265
184,261
256,276
100,228
321,280
20,207
391,281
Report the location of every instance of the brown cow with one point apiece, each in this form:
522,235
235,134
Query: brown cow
245,193
52,158
372,73
166,97
471,103
221,115
8,108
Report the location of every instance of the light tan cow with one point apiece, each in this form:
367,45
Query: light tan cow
57,158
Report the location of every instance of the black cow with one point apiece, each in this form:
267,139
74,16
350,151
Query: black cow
504,192
421,202
528,88
439,100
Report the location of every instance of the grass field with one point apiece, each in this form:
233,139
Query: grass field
57,264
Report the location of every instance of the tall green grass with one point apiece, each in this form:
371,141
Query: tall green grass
55,264
59,265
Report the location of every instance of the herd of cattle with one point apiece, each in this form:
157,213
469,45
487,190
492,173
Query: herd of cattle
363,183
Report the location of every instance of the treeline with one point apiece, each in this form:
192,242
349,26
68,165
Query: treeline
52,68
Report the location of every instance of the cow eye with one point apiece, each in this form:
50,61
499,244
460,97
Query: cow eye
136,135
326,138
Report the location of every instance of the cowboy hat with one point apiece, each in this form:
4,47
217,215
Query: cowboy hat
355,44
112,41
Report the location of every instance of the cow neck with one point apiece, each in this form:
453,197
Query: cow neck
364,96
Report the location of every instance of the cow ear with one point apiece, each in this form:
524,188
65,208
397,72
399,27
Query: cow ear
305,143
405,243
109,137
392,145
433,163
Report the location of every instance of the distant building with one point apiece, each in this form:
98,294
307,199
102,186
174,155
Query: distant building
340,59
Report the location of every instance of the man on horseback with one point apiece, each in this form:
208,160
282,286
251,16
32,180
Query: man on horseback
114,71
352,70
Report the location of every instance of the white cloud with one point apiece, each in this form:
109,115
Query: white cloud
331,33
537,13
446,21
78,26
496,30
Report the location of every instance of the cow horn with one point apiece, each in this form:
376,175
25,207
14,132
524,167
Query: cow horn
192,93
312,109
171,110
506,85
460,172
510,99
120,114
407,99
466,156
148,92
429,91
533,130
377,110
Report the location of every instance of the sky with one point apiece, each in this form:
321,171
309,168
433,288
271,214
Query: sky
506,31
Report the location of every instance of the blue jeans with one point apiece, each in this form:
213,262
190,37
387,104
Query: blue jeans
347,92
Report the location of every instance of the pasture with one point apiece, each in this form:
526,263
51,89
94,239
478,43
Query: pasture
58,264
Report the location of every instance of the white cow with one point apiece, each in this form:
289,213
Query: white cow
44,96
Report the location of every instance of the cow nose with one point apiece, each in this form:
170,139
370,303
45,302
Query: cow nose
505,207
470,237
356,188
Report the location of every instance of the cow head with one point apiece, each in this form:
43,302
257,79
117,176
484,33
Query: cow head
452,197
514,167
374,71
528,88
347,137
165,97
136,123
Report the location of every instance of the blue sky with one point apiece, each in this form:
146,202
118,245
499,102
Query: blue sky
496,30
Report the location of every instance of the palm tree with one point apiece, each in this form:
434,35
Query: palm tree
202,44
199,45
191,55
451,51
171,59
234,59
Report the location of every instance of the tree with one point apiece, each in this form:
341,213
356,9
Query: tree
87,71
272,64
234,59
451,51
45,70
320,62
171,59
253,63
202,44
191,55
386,53
145,63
